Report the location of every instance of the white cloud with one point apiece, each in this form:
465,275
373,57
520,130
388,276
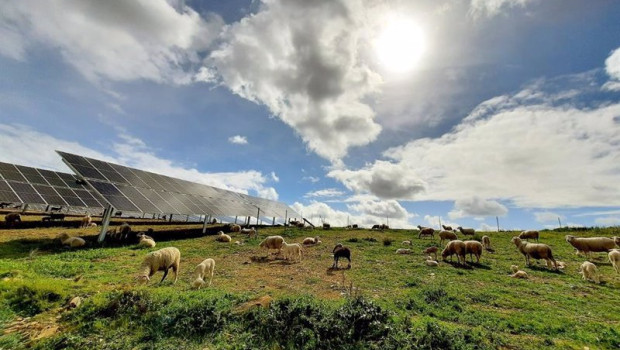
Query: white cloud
534,149
25,146
612,66
477,207
490,8
315,211
608,221
238,140
275,177
484,227
547,216
381,209
312,179
598,213
302,62
434,222
115,40
328,192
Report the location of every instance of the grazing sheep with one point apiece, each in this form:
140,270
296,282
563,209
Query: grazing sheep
561,265
454,247
614,259
431,263
251,232
425,231
341,251
486,242
403,251
222,237
406,242
160,260
146,241
235,228
473,248
431,250
292,251
530,234
86,221
272,242
311,241
205,268
589,271
466,231
591,244
12,219
447,228
73,242
534,250
446,235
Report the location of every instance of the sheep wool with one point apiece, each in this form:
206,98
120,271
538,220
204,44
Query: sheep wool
146,242
73,242
272,242
292,251
591,244
534,250
160,260
614,259
454,247
473,248
589,272
446,235
205,268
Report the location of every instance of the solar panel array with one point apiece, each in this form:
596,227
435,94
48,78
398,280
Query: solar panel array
21,184
130,189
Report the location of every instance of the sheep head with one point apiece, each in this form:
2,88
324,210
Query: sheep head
569,238
516,240
143,279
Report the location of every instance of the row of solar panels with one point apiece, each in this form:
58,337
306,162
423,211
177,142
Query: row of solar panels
99,184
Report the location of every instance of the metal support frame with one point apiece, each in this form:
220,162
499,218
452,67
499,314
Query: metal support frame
105,222
285,217
204,224
257,216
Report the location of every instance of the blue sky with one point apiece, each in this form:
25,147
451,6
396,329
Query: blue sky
467,111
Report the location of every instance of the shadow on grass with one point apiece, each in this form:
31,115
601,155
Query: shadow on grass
545,269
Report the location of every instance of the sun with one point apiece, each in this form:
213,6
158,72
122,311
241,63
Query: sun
400,45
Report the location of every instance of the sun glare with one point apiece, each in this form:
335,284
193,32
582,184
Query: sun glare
400,45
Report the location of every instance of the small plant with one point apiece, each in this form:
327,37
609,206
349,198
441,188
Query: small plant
387,241
353,240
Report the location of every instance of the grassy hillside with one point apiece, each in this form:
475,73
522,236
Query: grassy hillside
385,300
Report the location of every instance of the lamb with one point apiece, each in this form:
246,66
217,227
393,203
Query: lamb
454,247
534,250
592,244
311,241
73,242
473,248
406,242
160,260
205,268
12,219
222,237
466,231
251,232
86,221
431,250
235,228
292,251
446,235
272,242
614,259
516,273
589,271
530,234
447,228
486,242
403,251
341,251
426,231
431,263
146,241
92,224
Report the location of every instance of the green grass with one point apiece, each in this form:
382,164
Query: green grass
384,301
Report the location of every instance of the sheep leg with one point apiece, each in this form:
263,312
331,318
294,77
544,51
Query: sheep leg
165,274
176,274
211,278
349,266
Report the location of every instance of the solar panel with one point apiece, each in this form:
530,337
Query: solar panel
7,194
132,189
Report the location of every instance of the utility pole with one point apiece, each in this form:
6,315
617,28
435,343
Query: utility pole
559,222
497,219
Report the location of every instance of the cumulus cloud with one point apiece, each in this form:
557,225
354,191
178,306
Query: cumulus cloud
547,216
275,177
435,221
328,192
381,209
315,211
238,140
312,179
25,146
115,40
477,207
301,60
612,66
490,8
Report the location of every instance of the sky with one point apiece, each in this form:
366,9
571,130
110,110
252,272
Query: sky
464,112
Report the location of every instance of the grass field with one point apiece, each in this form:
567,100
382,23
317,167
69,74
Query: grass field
384,301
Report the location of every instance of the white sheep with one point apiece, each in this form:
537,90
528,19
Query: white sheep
311,240
535,250
432,263
614,259
205,268
86,221
235,228
272,242
292,251
426,231
406,242
73,242
486,242
251,232
92,224
160,260
454,247
446,235
516,273
222,237
403,251
589,271
473,248
529,234
146,241
591,244
514,268
466,231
